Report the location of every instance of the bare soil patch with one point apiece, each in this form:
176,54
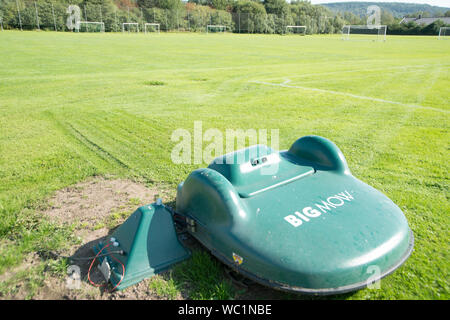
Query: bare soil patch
94,200
96,207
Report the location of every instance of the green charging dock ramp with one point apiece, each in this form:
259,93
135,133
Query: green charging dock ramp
150,245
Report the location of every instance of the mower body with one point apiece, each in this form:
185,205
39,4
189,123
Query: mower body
295,220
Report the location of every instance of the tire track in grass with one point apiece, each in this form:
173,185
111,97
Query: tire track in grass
157,160
115,142
138,136
145,124
134,144
68,131
118,130
104,153
123,141
94,147
109,135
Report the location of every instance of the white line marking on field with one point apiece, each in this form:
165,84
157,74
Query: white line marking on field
348,95
407,69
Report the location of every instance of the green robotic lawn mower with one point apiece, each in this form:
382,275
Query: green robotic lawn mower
295,220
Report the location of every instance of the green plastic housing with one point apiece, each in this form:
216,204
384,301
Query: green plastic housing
295,220
150,245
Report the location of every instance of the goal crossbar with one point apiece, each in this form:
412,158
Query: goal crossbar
297,27
130,24
364,30
220,27
156,25
80,23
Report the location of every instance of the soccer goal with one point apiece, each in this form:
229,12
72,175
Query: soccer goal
296,30
215,28
90,26
444,33
130,27
364,32
151,27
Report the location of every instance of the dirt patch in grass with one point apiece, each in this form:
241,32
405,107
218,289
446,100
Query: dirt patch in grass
98,205
93,201
95,208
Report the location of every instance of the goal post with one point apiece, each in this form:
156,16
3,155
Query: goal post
364,32
215,28
151,27
90,26
444,33
296,30
346,32
129,26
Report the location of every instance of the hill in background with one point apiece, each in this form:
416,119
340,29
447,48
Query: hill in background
396,9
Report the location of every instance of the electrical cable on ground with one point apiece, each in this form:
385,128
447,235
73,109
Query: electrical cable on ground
92,263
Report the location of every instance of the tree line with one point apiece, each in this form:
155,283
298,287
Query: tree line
243,16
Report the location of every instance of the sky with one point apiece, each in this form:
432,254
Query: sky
440,3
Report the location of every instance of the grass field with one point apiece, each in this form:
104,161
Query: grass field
78,105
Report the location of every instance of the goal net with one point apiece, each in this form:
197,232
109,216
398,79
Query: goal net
444,33
296,30
215,28
130,27
364,32
90,26
151,27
